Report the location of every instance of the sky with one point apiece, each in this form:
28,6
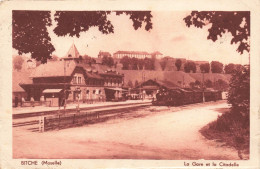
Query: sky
169,35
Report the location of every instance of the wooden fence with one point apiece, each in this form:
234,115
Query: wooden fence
67,120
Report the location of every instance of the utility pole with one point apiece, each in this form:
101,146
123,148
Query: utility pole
64,86
143,80
183,81
203,87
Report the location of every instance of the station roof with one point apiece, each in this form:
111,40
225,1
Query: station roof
54,69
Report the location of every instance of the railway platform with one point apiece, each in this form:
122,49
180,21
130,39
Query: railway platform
22,112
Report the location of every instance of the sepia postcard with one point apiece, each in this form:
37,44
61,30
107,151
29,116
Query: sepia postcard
130,84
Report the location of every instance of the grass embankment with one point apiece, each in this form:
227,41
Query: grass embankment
232,130
176,77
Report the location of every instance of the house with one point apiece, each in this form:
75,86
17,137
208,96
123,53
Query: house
150,87
20,77
103,54
69,80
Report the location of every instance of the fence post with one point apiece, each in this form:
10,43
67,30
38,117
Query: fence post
59,122
73,119
41,123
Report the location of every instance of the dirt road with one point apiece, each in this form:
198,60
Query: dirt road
149,133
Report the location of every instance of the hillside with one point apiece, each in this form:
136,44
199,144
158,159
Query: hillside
176,77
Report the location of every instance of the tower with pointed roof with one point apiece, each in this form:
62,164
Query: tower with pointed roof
72,54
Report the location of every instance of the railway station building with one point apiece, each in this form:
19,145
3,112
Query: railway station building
73,81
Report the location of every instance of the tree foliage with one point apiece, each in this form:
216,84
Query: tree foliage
163,64
87,59
197,83
221,85
239,92
149,63
134,63
125,62
229,69
205,67
18,62
136,83
178,64
208,83
216,67
190,66
237,23
30,34
130,84
108,60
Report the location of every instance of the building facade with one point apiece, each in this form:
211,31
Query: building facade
137,54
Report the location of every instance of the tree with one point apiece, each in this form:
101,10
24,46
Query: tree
190,66
237,23
239,93
141,64
178,64
216,67
205,67
136,83
108,60
221,85
125,62
192,85
208,83
239,67
163,64
130,84
149,63
72,23
18,62
134,63
88,60
197,83
230,68
30,34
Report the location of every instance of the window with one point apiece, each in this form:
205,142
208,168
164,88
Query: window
79,80
75,79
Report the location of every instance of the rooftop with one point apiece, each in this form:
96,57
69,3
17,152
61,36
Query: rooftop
20,77
54,69
133,52
156,53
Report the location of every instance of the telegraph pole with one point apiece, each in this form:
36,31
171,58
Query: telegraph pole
64,86
203,87
183,81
